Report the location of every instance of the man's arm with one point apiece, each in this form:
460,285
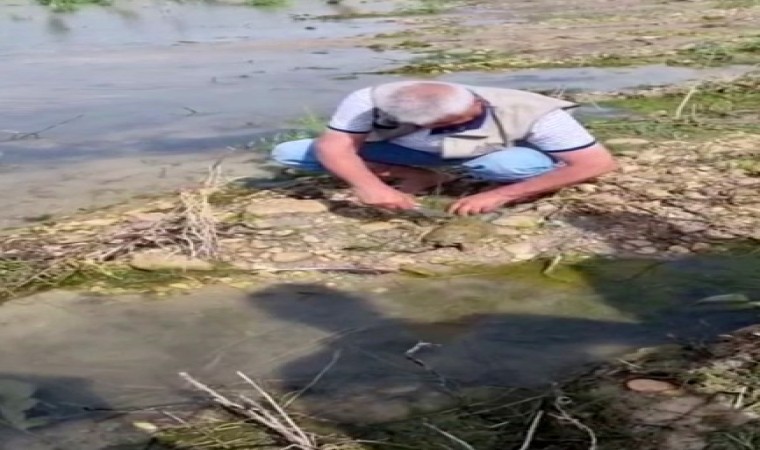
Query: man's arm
339,154
560,135
579,166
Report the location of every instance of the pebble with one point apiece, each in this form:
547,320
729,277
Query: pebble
287,257
676,170
718,235
647,250
640,243
311,239
283,233
518,221
649,386
277,206
521,251
610,199
374,227
680,249
588,188
701,246
259,245
657,193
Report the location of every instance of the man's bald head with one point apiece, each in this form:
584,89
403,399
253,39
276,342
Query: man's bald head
424,103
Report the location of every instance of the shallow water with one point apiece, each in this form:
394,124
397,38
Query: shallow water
491,329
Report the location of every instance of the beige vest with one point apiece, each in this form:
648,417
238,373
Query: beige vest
511,116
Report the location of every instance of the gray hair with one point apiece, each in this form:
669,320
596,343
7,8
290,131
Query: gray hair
422,102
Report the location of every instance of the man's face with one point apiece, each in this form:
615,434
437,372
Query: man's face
471,114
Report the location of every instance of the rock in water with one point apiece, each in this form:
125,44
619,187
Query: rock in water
649,386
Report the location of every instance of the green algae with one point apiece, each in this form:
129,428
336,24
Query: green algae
711,108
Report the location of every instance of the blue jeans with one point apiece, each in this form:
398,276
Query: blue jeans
508,165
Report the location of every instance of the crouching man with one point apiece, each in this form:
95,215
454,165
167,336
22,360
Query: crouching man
526,144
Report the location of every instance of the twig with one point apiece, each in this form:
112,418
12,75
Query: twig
333,361
563,415
306,439
552,265
739,402
199,429
459,441
532,430
36,134
274,418
685,101
410,355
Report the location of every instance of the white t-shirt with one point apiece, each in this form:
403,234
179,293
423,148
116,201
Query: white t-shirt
557,131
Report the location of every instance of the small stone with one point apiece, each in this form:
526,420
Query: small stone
283,233
380,290
676,170
288,257
153,261
647,250
718,235
588,188
374,227
145,426
180,286
521,251
276,206
259,245
546,208
640,243
609,199
657,193
701,246
695,196
311,239
649,386
629,168
518,221
679,249
691,227
629,142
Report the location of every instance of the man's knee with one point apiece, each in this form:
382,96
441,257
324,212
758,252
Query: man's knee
513,164
298,154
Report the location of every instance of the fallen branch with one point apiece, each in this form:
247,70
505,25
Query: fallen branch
333,361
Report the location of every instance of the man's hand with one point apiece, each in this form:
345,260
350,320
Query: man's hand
385,197
482,203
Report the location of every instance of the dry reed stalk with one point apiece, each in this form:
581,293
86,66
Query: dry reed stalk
267,413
